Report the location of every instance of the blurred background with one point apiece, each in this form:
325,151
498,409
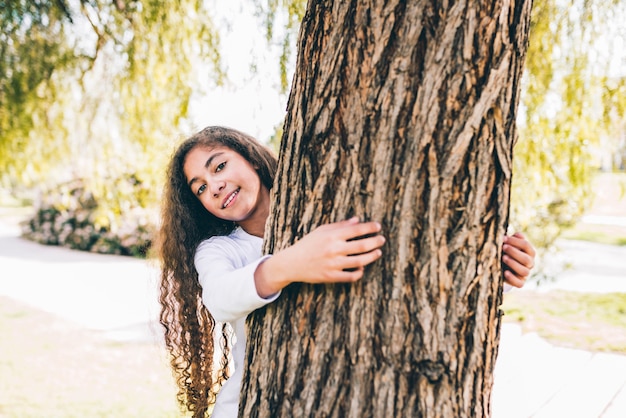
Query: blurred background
95,94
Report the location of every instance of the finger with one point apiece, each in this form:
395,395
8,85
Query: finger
364,245
518,240
348,276
519,256
346,222
352,231
514,280
339,276
361,260
515,266
339,224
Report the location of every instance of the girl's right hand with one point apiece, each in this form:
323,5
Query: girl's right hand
332,253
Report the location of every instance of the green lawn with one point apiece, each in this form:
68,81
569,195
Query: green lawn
595,322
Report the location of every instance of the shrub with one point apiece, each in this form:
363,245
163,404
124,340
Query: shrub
70,215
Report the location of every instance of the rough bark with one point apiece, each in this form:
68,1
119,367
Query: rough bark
401,112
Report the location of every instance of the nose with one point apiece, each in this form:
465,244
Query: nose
216,187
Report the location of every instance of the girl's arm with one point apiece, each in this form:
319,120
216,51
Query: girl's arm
332,253
226,275
338,252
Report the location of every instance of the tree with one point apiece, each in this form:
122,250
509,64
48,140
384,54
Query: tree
97,90
100,79
402,112
26,70
572,107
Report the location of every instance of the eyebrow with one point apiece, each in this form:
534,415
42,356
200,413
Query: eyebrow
206,165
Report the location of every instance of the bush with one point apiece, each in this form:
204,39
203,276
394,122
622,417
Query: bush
70,215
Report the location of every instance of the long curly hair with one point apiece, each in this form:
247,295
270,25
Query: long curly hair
189,327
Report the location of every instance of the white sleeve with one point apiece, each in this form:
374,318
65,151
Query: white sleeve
228,292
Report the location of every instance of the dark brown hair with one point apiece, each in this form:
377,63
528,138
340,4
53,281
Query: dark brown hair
189,326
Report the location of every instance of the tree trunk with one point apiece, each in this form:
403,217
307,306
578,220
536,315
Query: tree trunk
404,113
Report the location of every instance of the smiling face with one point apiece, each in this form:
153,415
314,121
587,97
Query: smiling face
228,187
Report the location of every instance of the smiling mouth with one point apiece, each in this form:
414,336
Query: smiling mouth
230,198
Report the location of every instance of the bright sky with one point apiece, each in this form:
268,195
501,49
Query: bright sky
250,103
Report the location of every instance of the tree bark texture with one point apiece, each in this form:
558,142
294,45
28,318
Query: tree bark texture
401,112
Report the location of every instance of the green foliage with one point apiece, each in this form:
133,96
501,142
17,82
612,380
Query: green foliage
569,111
164,68
94,90
94,79
33,45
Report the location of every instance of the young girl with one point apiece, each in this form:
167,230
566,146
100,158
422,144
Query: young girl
215,206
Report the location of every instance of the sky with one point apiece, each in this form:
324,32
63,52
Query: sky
250,103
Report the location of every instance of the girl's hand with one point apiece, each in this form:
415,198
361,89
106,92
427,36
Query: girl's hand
519,259
332,253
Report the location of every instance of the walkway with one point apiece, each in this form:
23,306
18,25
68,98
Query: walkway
117,296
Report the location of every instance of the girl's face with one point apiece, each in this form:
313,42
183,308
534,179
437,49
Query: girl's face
228,187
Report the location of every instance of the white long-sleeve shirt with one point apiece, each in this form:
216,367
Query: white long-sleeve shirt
226,266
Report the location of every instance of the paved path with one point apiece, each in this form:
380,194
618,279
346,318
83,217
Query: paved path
117,297
112,294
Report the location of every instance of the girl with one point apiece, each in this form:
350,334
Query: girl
215,206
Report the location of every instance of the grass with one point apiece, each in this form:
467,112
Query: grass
595,322
52,368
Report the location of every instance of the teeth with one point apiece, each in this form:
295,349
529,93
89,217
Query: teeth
230,198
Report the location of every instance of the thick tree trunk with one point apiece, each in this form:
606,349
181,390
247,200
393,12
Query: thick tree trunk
401,112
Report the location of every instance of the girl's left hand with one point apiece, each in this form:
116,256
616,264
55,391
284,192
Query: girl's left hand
519,259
